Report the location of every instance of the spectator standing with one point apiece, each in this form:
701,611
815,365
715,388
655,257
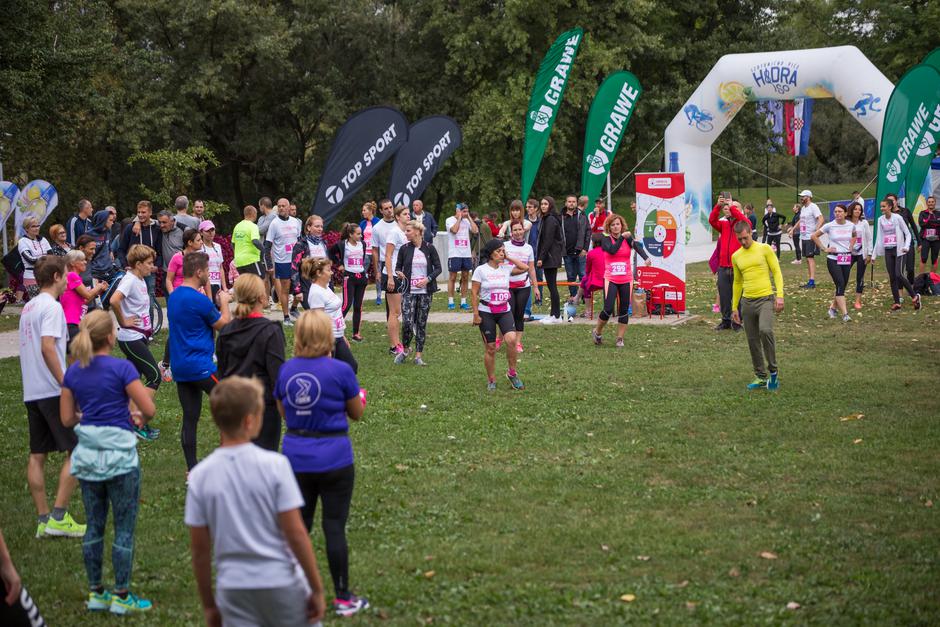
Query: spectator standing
549,254
32,247
430,224
59,245
183,219
576,239
727,245
459,254
80,223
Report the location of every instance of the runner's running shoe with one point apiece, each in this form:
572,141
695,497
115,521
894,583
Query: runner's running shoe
499,342
896,307
98,601
491,386
451,306
350,606
356,337
65,528
597,338
288,322
916,301
131,604
419,362
41,530
165,373
147,433
400,357
774,383
515,381
619,343
518,347
757,384
846,318
464,307
832,312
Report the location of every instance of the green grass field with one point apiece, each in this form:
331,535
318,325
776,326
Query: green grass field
646,471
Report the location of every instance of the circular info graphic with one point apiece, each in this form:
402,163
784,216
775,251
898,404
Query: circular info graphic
659,233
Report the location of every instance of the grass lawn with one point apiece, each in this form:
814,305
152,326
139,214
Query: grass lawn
646,471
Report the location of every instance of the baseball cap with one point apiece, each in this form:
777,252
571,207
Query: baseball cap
462,205
807,193
205,225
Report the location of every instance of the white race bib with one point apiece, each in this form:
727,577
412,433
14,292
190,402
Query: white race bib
618,268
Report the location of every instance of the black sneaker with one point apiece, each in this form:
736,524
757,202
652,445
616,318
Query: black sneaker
723,326
735,327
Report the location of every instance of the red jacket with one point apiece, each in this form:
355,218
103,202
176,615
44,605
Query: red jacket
727,242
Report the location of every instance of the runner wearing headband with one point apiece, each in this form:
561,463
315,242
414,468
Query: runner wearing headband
349,256
893,241
319,272
417,268
520,289
861,253
394,240
491,298
618,250
131,306
842,238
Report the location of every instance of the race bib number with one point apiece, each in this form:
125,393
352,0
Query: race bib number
145,321
618,268
803,229
288,247
215,276
416,283
891,239
499,301
461,243
339,323
843,259
354,262
930,234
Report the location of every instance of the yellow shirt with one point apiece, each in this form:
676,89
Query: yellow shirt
752,269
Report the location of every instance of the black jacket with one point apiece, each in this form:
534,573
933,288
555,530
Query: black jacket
252,347
407,254
150,235
584,231
772,222
551,245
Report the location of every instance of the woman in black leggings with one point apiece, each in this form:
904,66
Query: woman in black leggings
893,241
842,235
521,287
549,254
618,276
861,253
348,256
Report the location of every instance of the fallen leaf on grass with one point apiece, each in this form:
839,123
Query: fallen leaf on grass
604,547
691,605
928,503
767,555
793,605
734,572
628,598
857,441
429,574
851,417
683,583
428,558
401,467
751,503
643,558
383,615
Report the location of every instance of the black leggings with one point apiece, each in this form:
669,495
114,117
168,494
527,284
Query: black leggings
895,267
414,319
551,280
518,301
774,241
190,395
270,436
354,290
797,245
334,489
342,352
859,262
138,354
840,275
930,249
611,292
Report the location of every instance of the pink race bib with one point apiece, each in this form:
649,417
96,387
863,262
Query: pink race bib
843,259
288,247
891,239
461,243
930,233
499,301
618,268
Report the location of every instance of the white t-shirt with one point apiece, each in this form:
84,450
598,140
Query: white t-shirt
458,244
396,237
522,254
215,263
37,248
840,237
238,492
323,298
367,236
494,287
42,317
379,237
136,302
354,257
316,251
808,215
419,270
283,234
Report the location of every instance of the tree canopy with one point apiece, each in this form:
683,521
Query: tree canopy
263,85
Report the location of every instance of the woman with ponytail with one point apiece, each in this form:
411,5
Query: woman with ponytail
319,272
96,392
349,256
253,346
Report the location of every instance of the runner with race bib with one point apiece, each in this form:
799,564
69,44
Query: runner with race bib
319,272
893,241
417,268
217,281
520,287
283,233
861,253
842,237
492,311
929,222
618,276
349,254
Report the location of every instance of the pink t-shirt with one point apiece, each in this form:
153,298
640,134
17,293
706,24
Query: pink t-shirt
73,305
617,266
593,270
176,265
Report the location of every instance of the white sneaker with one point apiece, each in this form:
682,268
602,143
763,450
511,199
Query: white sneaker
796,262
548,320
832,312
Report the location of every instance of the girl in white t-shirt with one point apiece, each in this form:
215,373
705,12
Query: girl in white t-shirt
492,309
520,287
893,240
349,256
319,272
842,236
516,214
861,253
217,279
394,240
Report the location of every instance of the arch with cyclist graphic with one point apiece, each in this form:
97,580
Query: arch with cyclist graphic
842,72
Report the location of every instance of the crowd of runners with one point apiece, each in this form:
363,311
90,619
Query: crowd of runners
94,289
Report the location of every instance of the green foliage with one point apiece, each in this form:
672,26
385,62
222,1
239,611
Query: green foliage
175,169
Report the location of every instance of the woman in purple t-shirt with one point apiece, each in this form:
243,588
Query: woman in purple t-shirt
76,296
317,396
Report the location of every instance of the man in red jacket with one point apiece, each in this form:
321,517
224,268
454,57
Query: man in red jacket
722,218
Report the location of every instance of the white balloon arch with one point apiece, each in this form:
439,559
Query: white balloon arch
843,73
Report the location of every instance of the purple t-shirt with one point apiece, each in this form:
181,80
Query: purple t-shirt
99,390
314,392
73,305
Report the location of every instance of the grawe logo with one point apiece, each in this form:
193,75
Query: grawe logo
541,118
598,160
911,140
556,86
781,75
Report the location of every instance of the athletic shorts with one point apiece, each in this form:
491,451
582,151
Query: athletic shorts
398,285
73,331
809,248
46,433
460,264
251,268
283,270
489,322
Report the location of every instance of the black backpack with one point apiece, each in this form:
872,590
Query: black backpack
13,262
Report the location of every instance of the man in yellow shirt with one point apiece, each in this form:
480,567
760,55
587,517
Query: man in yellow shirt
753,264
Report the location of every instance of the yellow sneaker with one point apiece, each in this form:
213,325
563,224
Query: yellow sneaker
66,528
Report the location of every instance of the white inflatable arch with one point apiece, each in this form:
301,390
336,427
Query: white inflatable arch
843,73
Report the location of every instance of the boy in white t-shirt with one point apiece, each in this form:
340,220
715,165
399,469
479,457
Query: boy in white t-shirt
244,502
